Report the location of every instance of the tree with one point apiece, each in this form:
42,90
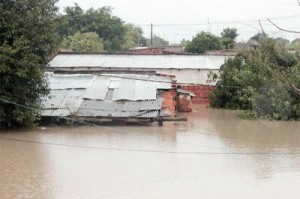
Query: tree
282,42
228,38
230,33
83,42
262,82
259,37
110,28
203,42
133,36
184,42
27,41
157,41
296,44
296,41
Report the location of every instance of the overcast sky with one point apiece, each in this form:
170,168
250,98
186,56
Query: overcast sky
177,19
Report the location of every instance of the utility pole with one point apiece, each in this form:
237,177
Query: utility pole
151,34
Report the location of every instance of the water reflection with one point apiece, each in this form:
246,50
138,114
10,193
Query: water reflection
130,161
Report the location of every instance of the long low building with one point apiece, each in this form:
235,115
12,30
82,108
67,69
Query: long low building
189,69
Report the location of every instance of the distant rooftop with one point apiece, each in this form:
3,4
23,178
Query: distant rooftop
125,61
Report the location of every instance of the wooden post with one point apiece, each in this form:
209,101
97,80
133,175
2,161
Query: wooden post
160,121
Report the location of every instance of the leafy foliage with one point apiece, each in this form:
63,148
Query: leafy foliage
263,81
101,21
228,37
203,42
83,42
27,40
157,41
133,36
259,37
282,42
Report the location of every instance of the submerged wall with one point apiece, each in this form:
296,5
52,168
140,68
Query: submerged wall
202,93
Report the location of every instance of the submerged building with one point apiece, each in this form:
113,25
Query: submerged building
109,97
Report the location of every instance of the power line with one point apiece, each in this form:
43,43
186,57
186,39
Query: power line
290,31
223,22
146,151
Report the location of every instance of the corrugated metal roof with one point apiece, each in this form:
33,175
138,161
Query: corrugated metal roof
69,81
73,99
151,105
54,99
93,108
125,91
139,61
144,91
109,95
186,92
47,112
98,88
89,101
160,82
64,112
131,106
125,87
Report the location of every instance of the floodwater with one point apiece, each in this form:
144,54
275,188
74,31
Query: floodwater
213,155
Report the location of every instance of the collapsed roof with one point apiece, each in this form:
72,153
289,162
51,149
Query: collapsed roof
113,95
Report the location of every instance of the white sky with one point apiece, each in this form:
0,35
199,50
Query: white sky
192,16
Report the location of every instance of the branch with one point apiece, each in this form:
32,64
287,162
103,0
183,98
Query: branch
262,29
284,79
292,85
291,31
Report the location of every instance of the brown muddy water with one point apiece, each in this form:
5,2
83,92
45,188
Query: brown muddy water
213,155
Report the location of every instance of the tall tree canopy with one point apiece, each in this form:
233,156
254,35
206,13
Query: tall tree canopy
228,38
27,40
110,28
203,42
83,42
133,36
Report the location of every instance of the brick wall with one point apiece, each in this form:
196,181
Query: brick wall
170,101
147,51
183,104
202,93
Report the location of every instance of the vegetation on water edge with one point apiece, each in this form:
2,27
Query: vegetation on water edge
265,82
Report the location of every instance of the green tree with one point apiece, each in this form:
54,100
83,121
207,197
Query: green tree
282,42
83,42
203,42
110,28
259,37
184,42
228,38
133,36
262,82
296,42
230,33
27,41
157,41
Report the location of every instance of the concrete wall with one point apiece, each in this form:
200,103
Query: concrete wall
189,76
